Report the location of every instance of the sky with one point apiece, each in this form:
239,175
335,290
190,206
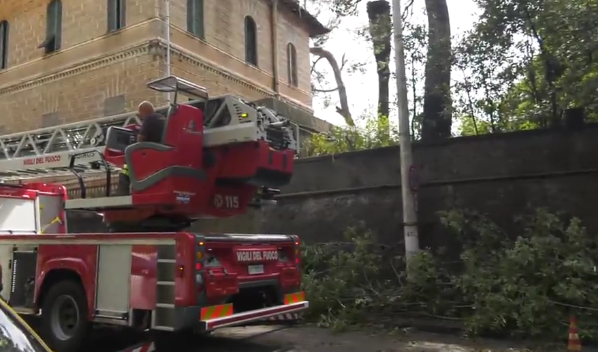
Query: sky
362,87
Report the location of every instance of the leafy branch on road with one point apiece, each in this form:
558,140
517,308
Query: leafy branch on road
525,283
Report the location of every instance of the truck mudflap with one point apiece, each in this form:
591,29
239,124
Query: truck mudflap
221,316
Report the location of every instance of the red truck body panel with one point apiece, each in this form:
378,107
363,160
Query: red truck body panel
63,252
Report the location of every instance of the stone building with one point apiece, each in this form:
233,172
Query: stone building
68,60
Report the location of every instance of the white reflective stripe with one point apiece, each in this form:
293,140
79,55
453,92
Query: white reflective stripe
97,203
109,240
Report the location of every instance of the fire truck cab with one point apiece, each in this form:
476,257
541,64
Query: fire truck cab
218,157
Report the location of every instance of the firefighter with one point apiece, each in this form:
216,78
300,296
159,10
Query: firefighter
152,123
152,128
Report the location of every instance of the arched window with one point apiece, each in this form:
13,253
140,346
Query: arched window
3,45
117,14
250,41
195,18
53,27
292,65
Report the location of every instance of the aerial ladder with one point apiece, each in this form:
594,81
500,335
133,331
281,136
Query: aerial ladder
218,156
224,171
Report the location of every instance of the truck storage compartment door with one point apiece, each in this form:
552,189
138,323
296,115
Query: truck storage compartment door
113,281
22,284
18,215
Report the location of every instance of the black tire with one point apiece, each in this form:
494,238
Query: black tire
64,324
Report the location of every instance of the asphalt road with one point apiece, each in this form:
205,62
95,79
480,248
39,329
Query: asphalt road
250,339
247,339
309,339
304,339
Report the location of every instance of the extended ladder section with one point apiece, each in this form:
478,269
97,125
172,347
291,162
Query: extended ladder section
47,152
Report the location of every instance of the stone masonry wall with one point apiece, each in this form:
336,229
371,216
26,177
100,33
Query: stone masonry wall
501,175
97,73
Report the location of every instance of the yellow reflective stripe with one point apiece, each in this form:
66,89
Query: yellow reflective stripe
23,324
125,170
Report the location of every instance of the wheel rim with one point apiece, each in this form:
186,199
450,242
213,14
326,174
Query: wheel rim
64,317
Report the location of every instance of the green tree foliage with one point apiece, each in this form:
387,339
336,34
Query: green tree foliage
524,284
373,133
526,61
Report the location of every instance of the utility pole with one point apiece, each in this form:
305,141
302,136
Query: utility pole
168,44
167,34
407,192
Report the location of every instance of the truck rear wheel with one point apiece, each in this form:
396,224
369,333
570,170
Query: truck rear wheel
64,322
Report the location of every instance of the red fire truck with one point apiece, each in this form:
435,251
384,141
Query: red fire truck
218,157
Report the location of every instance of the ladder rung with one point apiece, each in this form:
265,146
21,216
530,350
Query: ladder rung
163,328
165,283
165,305
167,261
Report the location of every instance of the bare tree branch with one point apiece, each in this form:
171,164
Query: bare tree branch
325,90
313,65
408,11
343,110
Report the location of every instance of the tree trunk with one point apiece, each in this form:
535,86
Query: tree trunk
343,110
437,116
380,32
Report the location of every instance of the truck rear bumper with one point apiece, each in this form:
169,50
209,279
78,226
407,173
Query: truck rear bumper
253,316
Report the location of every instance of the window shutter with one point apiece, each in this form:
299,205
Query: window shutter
190,14
122,13
250,41
50,20
58,40
54,25
199,19
3,45
111,12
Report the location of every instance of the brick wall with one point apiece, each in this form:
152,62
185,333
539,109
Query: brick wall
224,26
224,42
81,94
94,66
82,20
300,39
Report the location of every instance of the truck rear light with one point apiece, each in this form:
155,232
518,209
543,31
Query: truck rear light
297,251
199,255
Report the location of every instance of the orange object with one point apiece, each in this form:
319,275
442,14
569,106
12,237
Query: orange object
292,298
213,312
574,343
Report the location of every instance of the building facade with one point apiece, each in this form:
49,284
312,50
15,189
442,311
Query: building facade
69,60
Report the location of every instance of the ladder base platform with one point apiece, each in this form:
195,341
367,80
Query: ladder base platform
99,204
